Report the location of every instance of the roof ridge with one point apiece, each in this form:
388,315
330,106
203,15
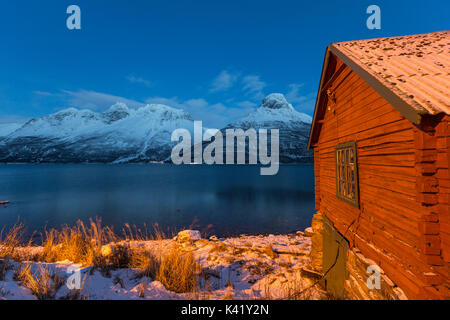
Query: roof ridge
416,68
392,37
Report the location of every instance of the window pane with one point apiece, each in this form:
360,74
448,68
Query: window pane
346,173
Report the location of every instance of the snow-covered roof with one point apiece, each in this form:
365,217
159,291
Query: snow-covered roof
416,67
411,72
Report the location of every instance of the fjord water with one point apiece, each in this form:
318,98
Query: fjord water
222,200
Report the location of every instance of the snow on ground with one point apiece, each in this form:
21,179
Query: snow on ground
245,267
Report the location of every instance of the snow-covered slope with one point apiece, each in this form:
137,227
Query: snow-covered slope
274,108
276,113
119,134
118,119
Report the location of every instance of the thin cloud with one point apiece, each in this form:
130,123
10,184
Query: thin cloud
213,115
246,104
293,95
43,93
307,106
84,99
139,80
254,86
6,119
171,102
303,102
224,81
198,104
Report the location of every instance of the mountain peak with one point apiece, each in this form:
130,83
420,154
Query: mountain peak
119,106
276,101
274,108
65,112
116,112
166,112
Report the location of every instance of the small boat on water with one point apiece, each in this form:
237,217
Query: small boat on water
4,202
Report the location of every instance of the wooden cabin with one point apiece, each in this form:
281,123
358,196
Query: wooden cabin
381,140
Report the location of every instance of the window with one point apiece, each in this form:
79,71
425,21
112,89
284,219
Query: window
347,173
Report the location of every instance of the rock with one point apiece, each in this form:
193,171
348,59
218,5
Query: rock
309,232
188,235
213,238
317,242
107,250
117,250
269,252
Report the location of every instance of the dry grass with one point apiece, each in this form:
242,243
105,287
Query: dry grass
169,262
4,267
79,244
297,290
43,283
142,287
10,240
144,261
99,247
227,296
293,288
94,245
176,269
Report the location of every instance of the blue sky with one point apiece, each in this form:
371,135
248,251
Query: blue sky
216,59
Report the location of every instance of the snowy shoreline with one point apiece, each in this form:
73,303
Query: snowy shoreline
245,267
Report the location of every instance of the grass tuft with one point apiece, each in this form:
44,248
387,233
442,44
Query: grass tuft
43,283
176,269
79,244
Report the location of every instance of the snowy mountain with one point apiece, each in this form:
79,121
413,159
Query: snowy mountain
276,113
119,135
7,128
274,108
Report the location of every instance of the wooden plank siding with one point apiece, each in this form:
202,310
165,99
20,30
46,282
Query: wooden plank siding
443,207
428,200
317,179
401,196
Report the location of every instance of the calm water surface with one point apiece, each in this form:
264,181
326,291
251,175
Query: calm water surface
224,200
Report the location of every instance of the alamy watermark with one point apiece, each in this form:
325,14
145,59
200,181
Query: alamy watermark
74,280
374,281
213,153
73,22
374,20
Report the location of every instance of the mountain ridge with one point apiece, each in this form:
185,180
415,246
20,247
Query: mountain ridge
276,113
121,134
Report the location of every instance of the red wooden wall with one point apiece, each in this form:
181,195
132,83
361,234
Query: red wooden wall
403,219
